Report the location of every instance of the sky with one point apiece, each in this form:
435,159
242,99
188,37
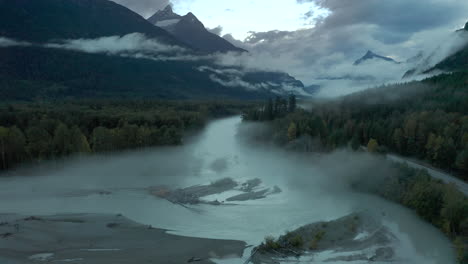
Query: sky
240,17
317,41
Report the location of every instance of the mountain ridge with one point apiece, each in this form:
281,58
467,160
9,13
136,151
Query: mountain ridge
47,20
190,30
370,56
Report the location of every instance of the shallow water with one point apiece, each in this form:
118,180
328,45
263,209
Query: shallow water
312,191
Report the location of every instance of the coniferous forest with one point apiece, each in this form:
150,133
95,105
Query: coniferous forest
425,120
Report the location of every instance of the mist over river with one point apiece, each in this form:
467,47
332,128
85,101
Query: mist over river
314,188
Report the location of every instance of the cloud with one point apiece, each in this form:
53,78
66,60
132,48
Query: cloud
7,42
131,43
399,29
145,8
217,30
397,20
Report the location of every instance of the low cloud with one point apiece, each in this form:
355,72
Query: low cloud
324,55
134,42
7,42
217,30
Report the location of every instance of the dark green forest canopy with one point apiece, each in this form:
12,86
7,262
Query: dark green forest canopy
32,73
46,20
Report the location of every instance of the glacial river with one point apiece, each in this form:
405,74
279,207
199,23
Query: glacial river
313,189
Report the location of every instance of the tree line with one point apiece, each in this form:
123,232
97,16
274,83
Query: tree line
272,109
426,120
33,132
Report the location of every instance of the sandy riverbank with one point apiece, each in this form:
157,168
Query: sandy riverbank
99,239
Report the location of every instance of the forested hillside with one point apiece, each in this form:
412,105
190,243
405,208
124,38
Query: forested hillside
43,131
62,49
427,120
46,20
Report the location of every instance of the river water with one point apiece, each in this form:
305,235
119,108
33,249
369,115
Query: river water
312,190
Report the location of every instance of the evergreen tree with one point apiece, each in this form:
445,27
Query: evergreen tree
292,104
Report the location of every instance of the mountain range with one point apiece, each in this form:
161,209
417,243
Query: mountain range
91,48
191,31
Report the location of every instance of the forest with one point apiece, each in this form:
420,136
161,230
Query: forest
426,120
34,132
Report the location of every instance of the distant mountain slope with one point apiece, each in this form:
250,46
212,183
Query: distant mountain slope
88,58
191,31
28,73
371,56
457,61
44,20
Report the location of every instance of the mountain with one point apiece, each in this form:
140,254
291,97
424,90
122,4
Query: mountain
457,61
438,61
191,31
104,57
45,20
372,56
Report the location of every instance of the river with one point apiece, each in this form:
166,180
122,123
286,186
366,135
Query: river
311,191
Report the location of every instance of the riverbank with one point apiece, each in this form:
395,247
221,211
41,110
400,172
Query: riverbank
355,237
102,239
442,204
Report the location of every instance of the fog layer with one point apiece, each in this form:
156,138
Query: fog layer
314,188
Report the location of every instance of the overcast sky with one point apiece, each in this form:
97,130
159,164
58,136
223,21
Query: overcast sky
239,17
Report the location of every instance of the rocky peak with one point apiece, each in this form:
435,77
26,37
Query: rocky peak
164,14
192,20
371,55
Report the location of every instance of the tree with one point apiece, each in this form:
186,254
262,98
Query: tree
269,113
455,209
3,140
102,139
292,131
292,104
16,145
78,141
398,139
462,161
426,197
355,144
372,145
39,143
61,142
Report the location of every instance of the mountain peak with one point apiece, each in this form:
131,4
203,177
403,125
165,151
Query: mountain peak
164,14
190,20
191,30
466,26
371,55
168,8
